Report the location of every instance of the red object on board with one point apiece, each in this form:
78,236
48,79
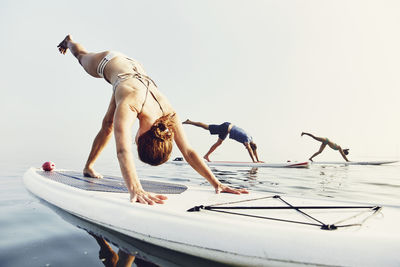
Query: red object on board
48,166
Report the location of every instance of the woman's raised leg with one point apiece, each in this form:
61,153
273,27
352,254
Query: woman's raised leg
89,61
195,123
76,49
320,139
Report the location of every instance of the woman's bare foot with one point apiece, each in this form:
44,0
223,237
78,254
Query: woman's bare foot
186,121
206,158
90,172
63,46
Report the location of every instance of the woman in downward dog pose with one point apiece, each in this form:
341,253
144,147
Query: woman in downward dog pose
135,95
235,133
325,141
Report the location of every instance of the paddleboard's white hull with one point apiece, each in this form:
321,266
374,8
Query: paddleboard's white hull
226,238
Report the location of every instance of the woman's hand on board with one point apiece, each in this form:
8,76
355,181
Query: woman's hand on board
148,198
226,189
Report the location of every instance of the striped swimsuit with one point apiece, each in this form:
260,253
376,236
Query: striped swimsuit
135,74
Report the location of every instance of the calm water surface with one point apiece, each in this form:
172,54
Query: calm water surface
34,234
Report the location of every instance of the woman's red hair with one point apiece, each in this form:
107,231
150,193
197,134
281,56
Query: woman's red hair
155,145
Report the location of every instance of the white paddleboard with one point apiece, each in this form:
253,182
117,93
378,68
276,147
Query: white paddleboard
377,162
180,161
268,231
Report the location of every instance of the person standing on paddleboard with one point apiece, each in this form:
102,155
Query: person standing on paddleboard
135,95
325,141
222,131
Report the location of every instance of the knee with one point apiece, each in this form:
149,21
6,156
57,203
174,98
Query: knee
79,56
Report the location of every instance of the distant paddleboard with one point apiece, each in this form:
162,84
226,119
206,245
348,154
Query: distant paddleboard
354,162
181,161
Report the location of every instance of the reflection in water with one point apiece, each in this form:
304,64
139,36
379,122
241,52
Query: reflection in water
325,181
111,259
229,177
251,174
253,178
131,250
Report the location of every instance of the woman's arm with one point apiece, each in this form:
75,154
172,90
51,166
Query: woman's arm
256,155
197,162
100,140
250,150
123,121
343,155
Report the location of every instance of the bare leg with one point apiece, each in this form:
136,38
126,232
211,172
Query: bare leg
320,139
198,124
125,259
322,147
89,61
212,148
106,254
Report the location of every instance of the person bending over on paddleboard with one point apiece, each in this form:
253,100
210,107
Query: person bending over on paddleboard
234,132
325,141
135,95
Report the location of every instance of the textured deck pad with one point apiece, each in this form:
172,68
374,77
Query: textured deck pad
109,183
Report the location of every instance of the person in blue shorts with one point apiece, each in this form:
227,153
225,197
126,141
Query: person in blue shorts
235,133
326,142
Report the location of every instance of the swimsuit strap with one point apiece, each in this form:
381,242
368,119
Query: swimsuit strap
145,80
140,77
